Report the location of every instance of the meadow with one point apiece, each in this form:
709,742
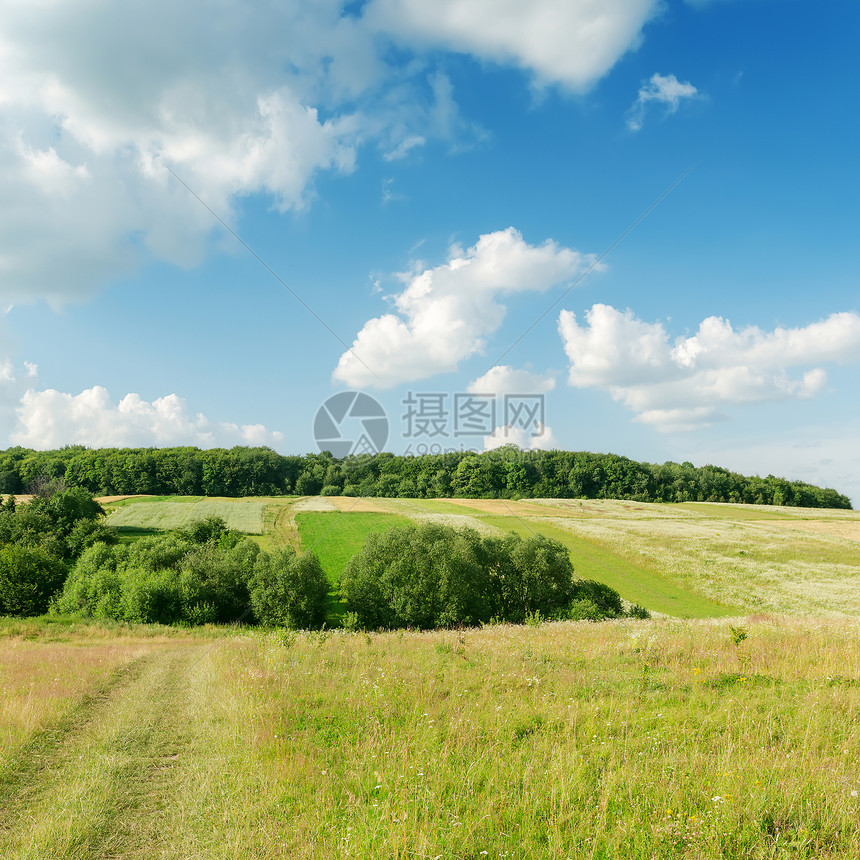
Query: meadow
690,560
727,726
624,739
148,514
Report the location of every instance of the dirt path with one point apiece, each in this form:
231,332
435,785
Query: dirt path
99,783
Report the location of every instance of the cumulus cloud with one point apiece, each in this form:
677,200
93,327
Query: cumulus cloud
237,99
504,379
542,440
445,314
14,381
569,42
681,385
49,419
664,90
105,96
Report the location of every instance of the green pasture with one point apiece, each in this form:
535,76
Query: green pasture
336,537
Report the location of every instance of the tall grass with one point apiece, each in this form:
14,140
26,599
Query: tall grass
695,739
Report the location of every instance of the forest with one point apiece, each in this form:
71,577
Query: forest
506,472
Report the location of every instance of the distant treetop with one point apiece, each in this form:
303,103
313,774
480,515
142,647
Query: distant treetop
504,473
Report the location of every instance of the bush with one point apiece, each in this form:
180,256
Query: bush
425,576
29,578
151,596
527,577
606,599
436,576
209,530
215,583
289,590
93,587
637,611
582,610
159,552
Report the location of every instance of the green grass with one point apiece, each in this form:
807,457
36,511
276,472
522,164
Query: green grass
633,582
687,560
629,739
336,537
244,515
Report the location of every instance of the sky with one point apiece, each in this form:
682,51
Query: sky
624,226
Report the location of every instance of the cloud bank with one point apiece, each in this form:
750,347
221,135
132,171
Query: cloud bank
98,99
682,385
50,419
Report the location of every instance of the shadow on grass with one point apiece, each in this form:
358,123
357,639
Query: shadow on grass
129,534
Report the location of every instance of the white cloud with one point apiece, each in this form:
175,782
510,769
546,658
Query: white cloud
543,440
665,90
570,42
13,384
105,94
504,379
682,385
237,99
49,419
445,314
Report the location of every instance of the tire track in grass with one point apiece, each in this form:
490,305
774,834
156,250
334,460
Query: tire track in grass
103,781
20,772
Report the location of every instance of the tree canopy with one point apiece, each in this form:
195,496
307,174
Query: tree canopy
503,473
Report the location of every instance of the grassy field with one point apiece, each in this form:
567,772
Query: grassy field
151,514
633,582
691,560
336,537
629,739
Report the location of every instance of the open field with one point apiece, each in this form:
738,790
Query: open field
144,512
336,538
688,560
625,739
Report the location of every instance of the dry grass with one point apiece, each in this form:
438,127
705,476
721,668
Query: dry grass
354,504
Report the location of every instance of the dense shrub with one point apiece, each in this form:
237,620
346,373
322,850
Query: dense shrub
527,577
606,599
436,576
94,588
421,576
163,578
214,582
202,574
289,590
62,522
29,578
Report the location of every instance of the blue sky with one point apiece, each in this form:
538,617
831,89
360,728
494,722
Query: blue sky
430,179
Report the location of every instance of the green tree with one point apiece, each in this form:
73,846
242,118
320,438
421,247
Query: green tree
289,590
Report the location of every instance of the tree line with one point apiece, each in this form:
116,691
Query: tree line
505,472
